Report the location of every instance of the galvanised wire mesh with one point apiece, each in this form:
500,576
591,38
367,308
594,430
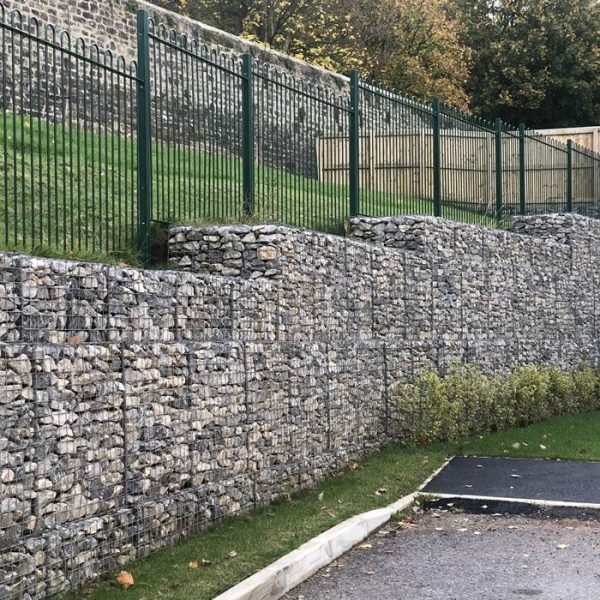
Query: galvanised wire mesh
196,130
140,406
67,141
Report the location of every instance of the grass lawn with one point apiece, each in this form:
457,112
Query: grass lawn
70,191
263,536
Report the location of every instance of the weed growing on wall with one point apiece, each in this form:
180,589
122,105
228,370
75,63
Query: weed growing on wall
468,402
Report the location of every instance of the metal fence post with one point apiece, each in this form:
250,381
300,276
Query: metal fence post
248,134
437,159
499,202
144,137
569,175
522,188
354,182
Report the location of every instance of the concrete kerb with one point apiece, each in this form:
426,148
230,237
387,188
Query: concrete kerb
283,575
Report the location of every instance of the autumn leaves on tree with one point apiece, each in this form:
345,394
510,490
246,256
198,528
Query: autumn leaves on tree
524,60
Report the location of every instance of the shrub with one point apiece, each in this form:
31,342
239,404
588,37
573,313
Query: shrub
468,402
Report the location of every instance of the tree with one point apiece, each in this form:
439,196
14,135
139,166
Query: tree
317,31
410,45
536,61
413,46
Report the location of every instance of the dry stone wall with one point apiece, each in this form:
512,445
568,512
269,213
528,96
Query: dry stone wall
139,406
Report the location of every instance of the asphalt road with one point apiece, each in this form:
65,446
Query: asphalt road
565,481
458,556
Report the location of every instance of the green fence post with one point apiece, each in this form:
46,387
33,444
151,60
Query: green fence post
522,189
437,159
569,175
499,203
144,137
354,165
248,134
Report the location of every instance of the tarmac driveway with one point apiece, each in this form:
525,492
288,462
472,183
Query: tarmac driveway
450,555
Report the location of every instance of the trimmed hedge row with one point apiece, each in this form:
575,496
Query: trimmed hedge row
467,402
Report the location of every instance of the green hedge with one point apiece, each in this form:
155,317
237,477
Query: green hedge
467,402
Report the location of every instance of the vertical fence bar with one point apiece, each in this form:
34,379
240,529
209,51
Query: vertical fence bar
499,203
522,188
437,160
143,136
569,175
248,135
354,180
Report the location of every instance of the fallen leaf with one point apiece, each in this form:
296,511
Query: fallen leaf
439,529
125,579
477,533
354,466
542,447
205,562
331,513
232,554
381,491
193,564
515,476
462,529
75,341
562,546
365,546
321,496
516,445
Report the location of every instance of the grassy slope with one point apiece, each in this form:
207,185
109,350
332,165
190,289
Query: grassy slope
263,536
84,185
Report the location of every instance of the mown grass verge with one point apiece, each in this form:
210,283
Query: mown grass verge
71,191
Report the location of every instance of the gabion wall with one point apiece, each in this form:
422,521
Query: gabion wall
139,406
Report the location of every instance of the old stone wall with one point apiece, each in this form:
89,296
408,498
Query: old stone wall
139,406
196,103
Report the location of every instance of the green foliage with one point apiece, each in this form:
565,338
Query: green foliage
534,61
412,46
467,402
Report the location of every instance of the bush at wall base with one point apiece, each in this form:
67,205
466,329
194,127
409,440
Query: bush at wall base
468,402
